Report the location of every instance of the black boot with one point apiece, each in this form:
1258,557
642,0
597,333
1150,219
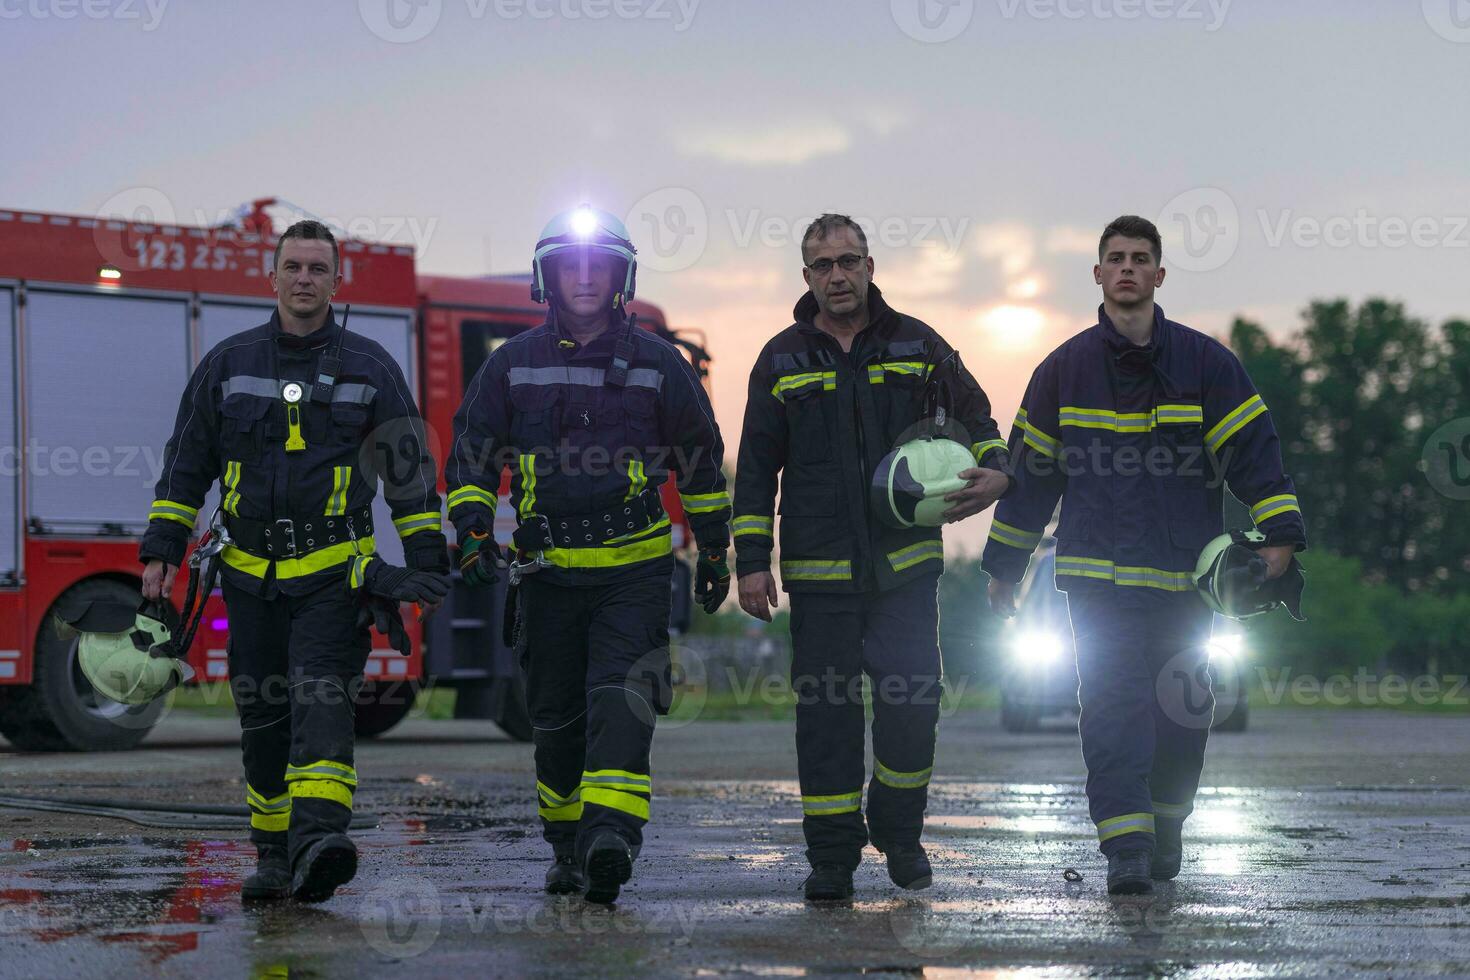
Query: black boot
828,883
327,864
272,878
908,866
1128,873
1168,849
609,865
564,877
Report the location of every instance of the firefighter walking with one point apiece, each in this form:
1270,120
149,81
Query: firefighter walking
591,414
1132,423
829,396
279,416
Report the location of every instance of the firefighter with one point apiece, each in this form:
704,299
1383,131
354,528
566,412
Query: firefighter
591,413
281,415
1135,424
829,396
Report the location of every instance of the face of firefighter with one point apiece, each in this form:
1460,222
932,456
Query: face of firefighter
305,277
1128,273
582,283
838,270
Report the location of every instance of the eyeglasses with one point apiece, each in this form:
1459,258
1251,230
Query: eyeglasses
848,262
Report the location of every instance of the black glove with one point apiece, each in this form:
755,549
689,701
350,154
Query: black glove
711,579
479,556
406,584
384,615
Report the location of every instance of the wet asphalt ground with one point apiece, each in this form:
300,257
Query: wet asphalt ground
1325,842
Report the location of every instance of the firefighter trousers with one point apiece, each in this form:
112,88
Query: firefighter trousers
597,675
1147,704
893,637
295,662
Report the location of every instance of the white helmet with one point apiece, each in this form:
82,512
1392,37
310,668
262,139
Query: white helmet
584,227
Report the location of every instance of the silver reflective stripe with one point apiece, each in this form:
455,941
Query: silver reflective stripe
354,394
584,377
244,384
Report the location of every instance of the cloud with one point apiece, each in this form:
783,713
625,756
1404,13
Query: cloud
1013,245
1072,240
765,145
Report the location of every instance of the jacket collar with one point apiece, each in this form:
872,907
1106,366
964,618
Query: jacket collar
601,343
1121,345
320,337
880,315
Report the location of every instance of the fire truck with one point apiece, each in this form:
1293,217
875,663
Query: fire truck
102,322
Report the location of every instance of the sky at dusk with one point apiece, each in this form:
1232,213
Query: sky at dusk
1288,150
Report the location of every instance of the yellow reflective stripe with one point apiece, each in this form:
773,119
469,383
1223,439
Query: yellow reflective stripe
902,780
414,523
1128,823
561,813
1035,438
322,789
604,556
551,797
981,449
320,560
341,481
357,571
1172,811
271,822
323,769
1015,537
1102,418
915,553
704,503
1280,504
617,775
793,382
231,500
637,479
470,494
752,524
914,368
1132,575
650,531
615,799
168,510
264,803
828,806
807,570
1234,422
528,485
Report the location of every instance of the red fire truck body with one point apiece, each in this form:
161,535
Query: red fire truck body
101,323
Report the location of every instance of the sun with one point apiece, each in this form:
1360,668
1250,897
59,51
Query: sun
1012,326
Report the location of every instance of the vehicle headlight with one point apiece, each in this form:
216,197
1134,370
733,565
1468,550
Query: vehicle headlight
1227,646
1037,648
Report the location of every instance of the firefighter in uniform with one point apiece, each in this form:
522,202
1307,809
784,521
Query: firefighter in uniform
279,415
1132,423
829,396
591,413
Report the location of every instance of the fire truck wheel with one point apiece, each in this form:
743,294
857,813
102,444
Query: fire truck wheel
60,711
381,705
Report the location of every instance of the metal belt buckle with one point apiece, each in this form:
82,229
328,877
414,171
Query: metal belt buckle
290,532
534,564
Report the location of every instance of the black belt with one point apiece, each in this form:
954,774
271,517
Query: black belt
539,532
293,537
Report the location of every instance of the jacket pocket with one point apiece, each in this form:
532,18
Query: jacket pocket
1075,525
808,502
534,422
640,410
1187,507
806,415
349,424
242,427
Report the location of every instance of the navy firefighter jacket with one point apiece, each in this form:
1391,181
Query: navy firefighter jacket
1139,444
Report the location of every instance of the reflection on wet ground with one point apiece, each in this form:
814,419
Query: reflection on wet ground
1279,879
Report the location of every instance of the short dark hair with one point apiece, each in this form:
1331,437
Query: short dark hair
1132,226
309,230
826,225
